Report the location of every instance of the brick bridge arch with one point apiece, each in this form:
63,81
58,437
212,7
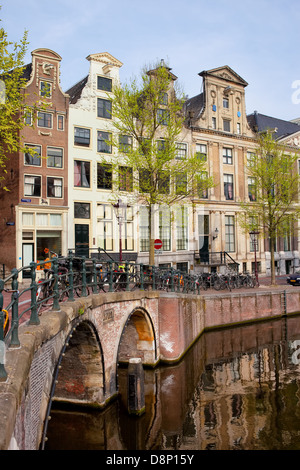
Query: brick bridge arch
85,373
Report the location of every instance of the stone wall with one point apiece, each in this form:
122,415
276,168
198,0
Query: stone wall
161,327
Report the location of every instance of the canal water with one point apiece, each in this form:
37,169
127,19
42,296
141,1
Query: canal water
236,389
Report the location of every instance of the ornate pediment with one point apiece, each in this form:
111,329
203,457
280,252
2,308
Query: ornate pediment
105,58
225,73
292,140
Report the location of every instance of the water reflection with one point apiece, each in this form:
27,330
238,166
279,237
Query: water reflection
235,389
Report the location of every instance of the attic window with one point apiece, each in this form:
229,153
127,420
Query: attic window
45,89
104,83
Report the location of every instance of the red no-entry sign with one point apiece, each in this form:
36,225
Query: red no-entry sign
157,244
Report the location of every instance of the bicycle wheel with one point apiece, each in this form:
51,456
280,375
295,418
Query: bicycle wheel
42,297
217,283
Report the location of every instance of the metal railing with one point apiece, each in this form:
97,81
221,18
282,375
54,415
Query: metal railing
218,258
62,279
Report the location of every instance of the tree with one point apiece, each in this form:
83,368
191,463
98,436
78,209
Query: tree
273,209
149,119
12,97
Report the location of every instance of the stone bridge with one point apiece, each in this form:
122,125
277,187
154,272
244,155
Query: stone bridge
72,356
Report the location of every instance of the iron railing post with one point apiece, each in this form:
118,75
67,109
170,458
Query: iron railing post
153,277
34,319
55,305
142,276
110,280
71,277
14,342
3,373
127,275
84,291
172,280
94,276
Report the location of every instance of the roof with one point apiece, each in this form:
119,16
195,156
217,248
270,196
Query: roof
260,122
75,91
194,105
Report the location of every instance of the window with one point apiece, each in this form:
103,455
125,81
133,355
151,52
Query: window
44,119
28,117
164,99
181,183
202,190
104,83
287,239
162,116
163,182
32,185
103,142
181,228
55,220
125,143
126,178
54,157
238,128
81,136
34,156
251,189
229,233
45,89
105,227
214,123
104,176
250,159
144,180
227,156
82,210
226,125
165,228
144,228
27,219
60,123
228,187
226,103
54,187
201,152
104,108
181,150
81,174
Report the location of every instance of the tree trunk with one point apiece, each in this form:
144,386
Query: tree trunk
272,246
151,235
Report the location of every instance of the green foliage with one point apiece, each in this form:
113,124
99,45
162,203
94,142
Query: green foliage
151,115
275,183
149,112
12,102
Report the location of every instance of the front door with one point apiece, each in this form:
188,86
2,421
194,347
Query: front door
82,240
27,257
203,227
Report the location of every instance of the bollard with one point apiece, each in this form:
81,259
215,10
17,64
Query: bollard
135,384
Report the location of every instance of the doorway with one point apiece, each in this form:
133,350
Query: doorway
27,258
82,235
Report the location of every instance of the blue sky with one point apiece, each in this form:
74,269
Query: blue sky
259,39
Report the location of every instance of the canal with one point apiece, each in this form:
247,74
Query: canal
236,389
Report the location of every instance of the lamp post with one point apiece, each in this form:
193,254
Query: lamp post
254,236
120,208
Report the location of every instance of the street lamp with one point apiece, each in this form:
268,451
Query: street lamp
254,236
120,209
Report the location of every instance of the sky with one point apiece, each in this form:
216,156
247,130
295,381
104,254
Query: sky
258,39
